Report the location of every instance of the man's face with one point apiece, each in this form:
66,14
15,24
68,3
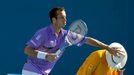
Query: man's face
61,18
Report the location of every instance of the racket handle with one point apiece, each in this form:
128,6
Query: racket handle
58,52
62,47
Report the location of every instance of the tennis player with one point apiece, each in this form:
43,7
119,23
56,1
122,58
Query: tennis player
42,47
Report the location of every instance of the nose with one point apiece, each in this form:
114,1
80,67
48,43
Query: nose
65,19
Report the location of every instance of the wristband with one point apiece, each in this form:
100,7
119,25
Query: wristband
41,55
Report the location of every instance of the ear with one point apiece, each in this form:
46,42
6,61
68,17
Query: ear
53,20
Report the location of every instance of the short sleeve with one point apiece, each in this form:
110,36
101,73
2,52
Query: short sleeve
82,41
36,40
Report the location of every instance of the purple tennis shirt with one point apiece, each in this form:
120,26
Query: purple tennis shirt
46,40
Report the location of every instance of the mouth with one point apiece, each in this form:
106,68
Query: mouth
64,23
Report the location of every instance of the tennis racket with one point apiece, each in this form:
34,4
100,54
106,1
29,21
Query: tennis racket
76,33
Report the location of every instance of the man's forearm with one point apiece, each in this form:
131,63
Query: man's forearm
96,43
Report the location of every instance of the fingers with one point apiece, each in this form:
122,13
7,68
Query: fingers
116,47
113,50
116,51
51,57
120,52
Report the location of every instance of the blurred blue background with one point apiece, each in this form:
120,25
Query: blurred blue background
107,20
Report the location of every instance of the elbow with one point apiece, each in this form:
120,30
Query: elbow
26,49
30,51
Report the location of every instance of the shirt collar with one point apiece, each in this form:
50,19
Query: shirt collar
53,30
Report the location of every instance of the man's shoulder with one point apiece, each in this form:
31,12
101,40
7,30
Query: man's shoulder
44,29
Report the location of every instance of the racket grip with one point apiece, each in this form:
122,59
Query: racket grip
58,52
62,48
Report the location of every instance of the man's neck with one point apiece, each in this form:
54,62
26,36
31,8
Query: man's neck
57,29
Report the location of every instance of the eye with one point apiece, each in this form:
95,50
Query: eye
63,17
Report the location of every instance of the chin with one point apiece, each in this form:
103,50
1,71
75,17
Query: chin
64,25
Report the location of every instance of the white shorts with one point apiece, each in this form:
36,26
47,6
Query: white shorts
26,72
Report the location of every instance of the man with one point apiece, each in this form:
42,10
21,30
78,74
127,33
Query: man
42,48
101,62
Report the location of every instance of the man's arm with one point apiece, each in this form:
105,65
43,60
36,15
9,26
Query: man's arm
34,53
97,43
30,51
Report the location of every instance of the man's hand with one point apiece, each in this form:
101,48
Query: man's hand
51,57
115,50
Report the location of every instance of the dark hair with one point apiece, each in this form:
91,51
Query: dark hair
53,12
